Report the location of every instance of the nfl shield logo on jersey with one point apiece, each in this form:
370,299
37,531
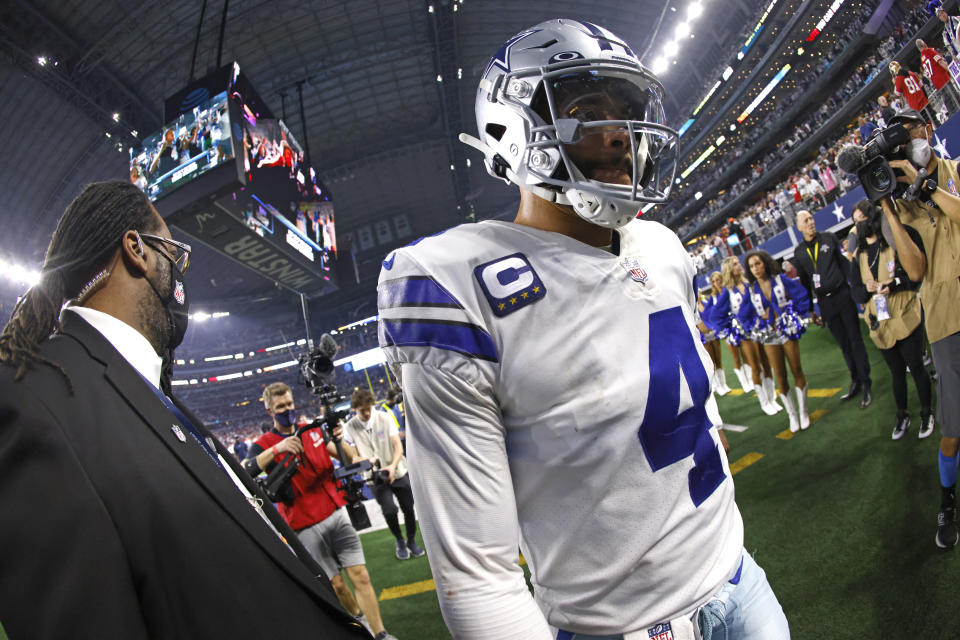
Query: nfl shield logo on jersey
632,265
178,294
660,632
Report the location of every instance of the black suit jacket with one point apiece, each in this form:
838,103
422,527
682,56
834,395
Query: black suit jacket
114,528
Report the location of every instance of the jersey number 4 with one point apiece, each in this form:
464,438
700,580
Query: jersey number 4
666,435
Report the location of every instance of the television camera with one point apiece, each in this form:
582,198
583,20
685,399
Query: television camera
317,374
871,163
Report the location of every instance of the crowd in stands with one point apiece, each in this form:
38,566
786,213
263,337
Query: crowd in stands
811,184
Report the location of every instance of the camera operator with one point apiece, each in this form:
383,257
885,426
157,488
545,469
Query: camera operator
879,281
376,437
935,215
316,511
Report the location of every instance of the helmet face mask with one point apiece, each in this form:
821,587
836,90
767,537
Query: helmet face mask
584,131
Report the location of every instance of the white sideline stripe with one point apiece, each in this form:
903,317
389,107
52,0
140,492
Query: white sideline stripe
739,428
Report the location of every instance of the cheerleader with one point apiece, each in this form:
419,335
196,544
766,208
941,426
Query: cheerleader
750,363
710,333
776,305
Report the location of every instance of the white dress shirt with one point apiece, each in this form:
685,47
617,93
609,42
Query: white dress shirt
131,344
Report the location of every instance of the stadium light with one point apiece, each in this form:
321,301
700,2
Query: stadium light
694,10
697,195
42,61
659,65
683,30
671,48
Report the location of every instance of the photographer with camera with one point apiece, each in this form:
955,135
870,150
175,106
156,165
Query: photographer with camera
376,437
313,505
887,290
900,171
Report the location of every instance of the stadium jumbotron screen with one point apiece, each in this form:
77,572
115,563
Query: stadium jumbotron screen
184,149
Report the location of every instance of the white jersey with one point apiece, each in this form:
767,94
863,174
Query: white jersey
546,406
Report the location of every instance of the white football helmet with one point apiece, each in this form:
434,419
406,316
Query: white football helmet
566,110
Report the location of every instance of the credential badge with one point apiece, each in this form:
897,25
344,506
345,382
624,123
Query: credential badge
177,432
632,266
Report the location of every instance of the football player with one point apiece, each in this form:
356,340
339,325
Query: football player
557,394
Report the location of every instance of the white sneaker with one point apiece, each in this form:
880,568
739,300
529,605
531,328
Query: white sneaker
926,426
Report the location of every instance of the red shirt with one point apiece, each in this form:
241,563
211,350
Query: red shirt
315,491
911,88
930,63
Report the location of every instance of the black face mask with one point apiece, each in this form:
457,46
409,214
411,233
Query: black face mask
286,418
175,304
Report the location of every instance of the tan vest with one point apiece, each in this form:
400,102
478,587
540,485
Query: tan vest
940,291
903,306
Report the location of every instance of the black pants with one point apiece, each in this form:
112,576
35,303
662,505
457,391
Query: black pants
908,353
840,313
384,494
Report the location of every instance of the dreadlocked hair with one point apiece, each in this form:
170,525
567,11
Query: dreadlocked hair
81,247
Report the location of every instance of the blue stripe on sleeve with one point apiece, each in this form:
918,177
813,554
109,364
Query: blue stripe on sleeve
468,339
415,291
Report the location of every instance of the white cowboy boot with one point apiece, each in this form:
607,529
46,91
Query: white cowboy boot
765,405
722,388
745,382
791,411
771,390
802,407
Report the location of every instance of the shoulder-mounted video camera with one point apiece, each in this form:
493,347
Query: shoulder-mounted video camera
871,162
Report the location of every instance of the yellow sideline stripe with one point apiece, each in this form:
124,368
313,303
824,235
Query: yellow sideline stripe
744,462
822,393
404,590
412,589
786,434
811,393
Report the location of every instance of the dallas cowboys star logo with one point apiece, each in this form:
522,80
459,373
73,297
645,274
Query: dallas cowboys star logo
941,147
502,57
838,211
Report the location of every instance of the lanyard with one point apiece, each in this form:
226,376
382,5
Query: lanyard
175,410
815,255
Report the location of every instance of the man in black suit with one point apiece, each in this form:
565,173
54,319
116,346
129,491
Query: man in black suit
123,517
823,270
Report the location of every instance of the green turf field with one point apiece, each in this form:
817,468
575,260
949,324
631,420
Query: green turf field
841,517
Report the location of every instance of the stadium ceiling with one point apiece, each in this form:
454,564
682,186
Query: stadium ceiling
79,76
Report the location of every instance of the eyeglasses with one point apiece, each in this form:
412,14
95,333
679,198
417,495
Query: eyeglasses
181,257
